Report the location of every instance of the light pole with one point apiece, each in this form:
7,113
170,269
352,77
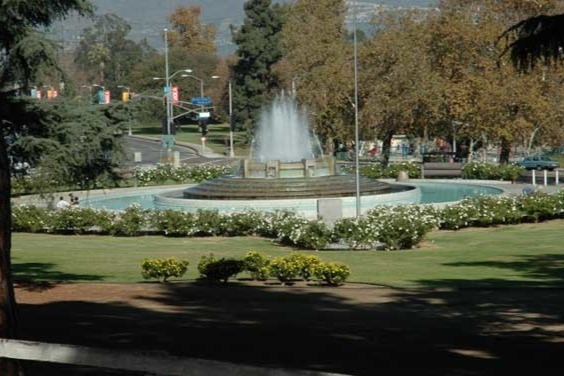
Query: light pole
168,88
168,92
231,150
356,141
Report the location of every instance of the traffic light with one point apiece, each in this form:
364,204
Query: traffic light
232,123
125,96
204,127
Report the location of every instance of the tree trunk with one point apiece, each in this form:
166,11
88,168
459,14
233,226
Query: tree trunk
505,151
8,309
386,148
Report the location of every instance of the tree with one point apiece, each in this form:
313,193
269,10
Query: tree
105,52
399,91
259,49
18,19
189,32
318,63
538,38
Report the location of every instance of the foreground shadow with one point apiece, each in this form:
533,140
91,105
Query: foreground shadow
41,276
356,329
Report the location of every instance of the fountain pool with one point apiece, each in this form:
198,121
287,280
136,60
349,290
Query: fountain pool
161,198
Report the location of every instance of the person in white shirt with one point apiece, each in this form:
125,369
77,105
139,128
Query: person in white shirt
62,204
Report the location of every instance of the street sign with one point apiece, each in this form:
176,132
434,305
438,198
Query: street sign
167,141
203,115
201,101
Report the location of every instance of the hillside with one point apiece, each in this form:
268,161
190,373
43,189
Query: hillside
149,17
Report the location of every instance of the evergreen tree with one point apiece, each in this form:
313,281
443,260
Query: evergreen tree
259,48
18,19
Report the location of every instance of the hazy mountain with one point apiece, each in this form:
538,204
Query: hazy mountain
149,17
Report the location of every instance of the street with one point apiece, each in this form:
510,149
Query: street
151,153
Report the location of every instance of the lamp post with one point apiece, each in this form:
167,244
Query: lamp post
356,140
231,151
168,92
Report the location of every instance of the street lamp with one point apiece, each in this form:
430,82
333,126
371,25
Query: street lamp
168,92
231,151
356,140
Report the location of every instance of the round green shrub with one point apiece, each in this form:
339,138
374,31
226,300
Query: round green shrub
163,268
332,273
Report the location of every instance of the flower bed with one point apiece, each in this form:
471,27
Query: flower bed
391,227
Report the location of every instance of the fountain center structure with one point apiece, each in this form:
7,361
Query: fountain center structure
287,170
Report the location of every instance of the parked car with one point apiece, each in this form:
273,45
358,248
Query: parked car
538,162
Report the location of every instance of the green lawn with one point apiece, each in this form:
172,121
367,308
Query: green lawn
530,255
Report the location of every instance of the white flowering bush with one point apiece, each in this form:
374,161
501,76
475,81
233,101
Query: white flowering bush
29,218
375,170
312,235
540,206
244,223
394,227
491,171
80,220
163,173
402,227
174,223
357,233
208,222
130,222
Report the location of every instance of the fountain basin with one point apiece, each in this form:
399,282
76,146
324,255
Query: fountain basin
306,206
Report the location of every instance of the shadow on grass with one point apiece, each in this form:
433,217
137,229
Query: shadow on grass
356,329
41,276
545,270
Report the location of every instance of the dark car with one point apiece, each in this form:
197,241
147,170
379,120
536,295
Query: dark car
538,162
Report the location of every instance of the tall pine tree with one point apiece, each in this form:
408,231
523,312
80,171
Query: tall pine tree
18,19
259,48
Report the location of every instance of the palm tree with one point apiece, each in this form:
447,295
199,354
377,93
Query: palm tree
536,39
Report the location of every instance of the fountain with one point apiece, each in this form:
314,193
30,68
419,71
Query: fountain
287,170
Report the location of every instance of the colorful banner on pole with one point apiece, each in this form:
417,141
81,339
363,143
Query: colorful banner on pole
175,95
103,96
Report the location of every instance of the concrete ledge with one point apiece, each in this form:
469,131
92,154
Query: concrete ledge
157,364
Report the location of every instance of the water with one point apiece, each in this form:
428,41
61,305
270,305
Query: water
430,193
283,133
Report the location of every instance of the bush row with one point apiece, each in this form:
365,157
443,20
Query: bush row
490,171
388,227
160,174
471,170
285,269
163,173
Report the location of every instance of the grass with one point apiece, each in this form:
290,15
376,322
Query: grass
529,255
217,138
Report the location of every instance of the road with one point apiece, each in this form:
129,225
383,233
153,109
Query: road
151,153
